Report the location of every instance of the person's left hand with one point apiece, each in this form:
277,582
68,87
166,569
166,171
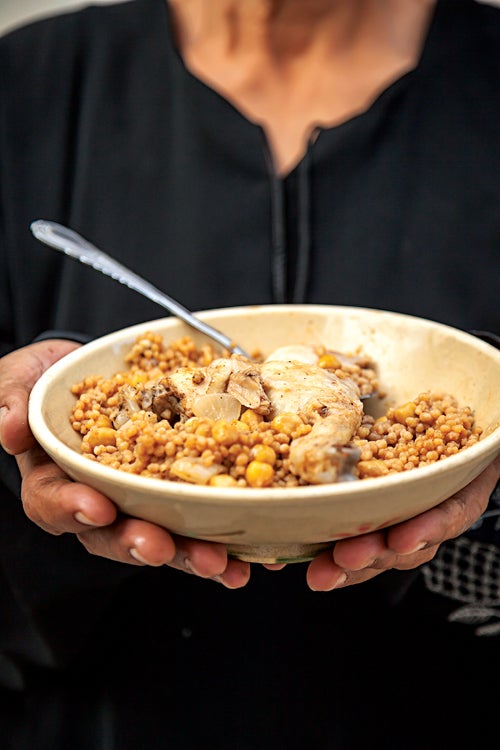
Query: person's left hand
405,545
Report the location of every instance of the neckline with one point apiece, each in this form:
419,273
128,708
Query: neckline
388,90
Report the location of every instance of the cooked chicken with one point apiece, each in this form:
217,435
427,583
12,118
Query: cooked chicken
289,381
128,403
235,375
296,353
330,404
154,399
314,393
316,459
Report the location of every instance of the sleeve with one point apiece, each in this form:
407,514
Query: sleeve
6,304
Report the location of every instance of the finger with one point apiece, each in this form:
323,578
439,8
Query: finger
58,505
401,545
19,371
132,541
236,575
210,560
54,502
323,574
360,551
447,520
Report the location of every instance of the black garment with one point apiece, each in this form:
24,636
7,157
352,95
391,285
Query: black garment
103,129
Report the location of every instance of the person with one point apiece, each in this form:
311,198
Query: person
330,151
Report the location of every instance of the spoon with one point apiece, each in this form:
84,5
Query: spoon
70,242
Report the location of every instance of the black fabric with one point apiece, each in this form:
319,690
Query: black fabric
223,675
103,129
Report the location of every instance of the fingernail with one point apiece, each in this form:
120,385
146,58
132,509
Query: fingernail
190,568
82,518
220,579
3,412
419,546
340,580
137,556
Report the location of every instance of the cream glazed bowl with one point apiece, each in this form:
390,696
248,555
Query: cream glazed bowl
275,524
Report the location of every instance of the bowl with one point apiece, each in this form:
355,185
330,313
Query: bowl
269,525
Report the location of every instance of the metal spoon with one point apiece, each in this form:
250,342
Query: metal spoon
70,242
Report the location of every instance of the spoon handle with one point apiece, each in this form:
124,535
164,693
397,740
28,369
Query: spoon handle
70,242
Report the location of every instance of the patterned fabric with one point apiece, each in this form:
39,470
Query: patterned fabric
467,570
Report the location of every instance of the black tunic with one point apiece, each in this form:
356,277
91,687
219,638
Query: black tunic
104,130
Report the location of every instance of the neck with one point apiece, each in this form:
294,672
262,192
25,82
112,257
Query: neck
285,28
291,65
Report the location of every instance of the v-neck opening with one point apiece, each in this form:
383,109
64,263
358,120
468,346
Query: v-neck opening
379,99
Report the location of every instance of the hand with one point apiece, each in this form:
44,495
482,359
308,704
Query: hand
406,545
58,505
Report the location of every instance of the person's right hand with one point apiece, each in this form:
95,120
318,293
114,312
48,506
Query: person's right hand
58,505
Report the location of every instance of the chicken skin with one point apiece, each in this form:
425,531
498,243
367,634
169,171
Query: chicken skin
330,404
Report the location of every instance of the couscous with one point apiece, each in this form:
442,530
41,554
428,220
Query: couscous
134,423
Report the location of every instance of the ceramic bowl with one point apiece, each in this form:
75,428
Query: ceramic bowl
276,524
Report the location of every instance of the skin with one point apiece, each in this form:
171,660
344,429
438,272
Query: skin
291,65
262,55
59,505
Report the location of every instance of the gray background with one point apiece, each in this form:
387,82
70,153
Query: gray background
16,12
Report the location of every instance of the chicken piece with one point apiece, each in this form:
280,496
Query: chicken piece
295,353
235,375
317,459
128,403
155,398
152,398
314,393
333,407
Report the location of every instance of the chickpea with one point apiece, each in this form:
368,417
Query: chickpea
402,413
259,474
251,418
224,432
100,436
329,362
103,421
287,423
223,480
264,454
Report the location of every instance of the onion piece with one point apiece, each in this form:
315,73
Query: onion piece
217,406
194,470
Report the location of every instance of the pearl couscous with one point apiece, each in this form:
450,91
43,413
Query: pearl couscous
247,448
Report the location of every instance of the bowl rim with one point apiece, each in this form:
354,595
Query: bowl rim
279,495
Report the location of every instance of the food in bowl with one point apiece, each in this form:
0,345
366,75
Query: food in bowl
279,523
296,417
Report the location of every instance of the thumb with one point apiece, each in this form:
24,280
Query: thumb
19,371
